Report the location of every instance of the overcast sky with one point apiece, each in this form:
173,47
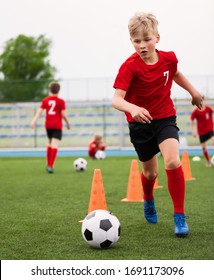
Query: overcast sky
90,37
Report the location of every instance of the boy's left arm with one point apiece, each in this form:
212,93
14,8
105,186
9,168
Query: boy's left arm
183,82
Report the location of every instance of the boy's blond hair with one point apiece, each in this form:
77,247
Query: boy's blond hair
143,22
98,137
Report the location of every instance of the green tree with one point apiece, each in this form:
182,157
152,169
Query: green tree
25,69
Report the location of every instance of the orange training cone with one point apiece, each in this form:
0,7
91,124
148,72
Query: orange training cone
134,191
156,186
186,166
97,196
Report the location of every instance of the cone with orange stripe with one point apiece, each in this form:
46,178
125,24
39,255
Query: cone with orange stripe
134,189
186,166
97,196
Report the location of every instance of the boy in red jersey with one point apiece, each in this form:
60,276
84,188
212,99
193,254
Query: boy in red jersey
97,144
142,91
204,120
55,112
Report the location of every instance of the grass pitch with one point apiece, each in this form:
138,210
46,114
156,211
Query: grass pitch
40,213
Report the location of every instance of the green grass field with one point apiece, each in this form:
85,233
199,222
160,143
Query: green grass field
40,213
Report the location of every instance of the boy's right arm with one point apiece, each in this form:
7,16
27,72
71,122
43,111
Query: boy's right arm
192,127
35,119
139,114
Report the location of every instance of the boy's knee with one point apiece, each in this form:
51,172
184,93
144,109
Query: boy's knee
151,174
172,163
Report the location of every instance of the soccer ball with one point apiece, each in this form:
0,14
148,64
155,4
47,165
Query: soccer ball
101,229
80,164
212,160
100,155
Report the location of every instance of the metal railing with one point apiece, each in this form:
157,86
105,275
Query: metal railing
86,118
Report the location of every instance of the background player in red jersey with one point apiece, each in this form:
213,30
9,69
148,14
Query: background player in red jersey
204,120
143,88
55,112
97,144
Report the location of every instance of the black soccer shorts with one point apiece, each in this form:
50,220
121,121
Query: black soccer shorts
206,137
147,137
54,133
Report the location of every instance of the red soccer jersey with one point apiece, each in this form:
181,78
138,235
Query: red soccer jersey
149,86
204,119
94,147
53,106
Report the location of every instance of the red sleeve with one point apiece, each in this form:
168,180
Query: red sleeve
92,145
192,116
210,109
174,59
63,105
124,77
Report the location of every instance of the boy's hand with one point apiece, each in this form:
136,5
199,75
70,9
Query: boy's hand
32,125
68,126
141,115
198,100
194,134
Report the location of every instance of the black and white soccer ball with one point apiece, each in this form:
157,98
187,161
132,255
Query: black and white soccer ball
100,155
80,164
101,229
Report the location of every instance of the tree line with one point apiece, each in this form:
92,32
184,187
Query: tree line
25,69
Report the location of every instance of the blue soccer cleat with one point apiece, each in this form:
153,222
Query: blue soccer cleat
150,212
49,169
181,227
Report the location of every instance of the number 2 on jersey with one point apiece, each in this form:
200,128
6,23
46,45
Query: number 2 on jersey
52,104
